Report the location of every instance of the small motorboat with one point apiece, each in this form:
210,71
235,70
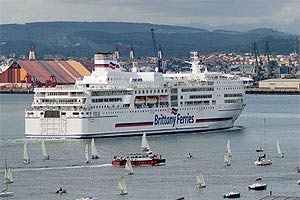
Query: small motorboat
262,161
232,195
190,156
61,191
298,182
258,185
298,169
181,198
5,192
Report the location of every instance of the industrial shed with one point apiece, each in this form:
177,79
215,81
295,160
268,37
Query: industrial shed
280,84
39,71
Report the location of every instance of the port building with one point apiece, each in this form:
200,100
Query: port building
280,84
29,71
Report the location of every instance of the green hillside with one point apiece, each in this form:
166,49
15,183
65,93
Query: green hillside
84,38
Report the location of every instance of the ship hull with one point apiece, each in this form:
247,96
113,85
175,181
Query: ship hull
119,124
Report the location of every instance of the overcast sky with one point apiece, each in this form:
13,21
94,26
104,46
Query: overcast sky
212,12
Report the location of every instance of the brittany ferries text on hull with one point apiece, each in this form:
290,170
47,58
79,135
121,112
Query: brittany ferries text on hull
111,102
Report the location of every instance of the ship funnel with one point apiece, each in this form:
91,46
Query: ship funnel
105,60
117,52
31,51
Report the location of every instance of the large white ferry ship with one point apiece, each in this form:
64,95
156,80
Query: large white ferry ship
111,102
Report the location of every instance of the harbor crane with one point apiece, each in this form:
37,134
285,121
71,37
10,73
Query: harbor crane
157,51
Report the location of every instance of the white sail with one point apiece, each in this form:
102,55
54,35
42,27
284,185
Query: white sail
228,149
280,154
200,179
227,161
26,159
128,167
122,186
145,146
87,160
9,176
94,151
44,151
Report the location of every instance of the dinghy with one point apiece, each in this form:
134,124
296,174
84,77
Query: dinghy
61,191
128,167
8,178
26,159
44,151
227,160
121,189
280,154
87,159
228,149
94,151
145,145
298,182
200,183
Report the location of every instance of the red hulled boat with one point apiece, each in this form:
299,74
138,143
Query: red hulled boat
144,158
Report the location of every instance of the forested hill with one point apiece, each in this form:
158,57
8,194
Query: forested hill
84,38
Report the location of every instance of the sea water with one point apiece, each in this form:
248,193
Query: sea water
66,168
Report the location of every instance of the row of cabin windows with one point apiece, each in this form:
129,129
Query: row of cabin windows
57,93
95,114
150,91
197,89
107,100
230,88
233,101
113,106
190,103
111,93
204,96
59,101
233,95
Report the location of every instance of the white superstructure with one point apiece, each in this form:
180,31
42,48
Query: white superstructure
111,102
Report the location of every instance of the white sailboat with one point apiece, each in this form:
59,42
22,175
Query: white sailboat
128,167
95,154
280,154
145,145
121,189
26,159
44,151
227,160
8,178
87,159
228,149
200,183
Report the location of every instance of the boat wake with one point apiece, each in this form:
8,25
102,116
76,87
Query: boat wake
61,167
